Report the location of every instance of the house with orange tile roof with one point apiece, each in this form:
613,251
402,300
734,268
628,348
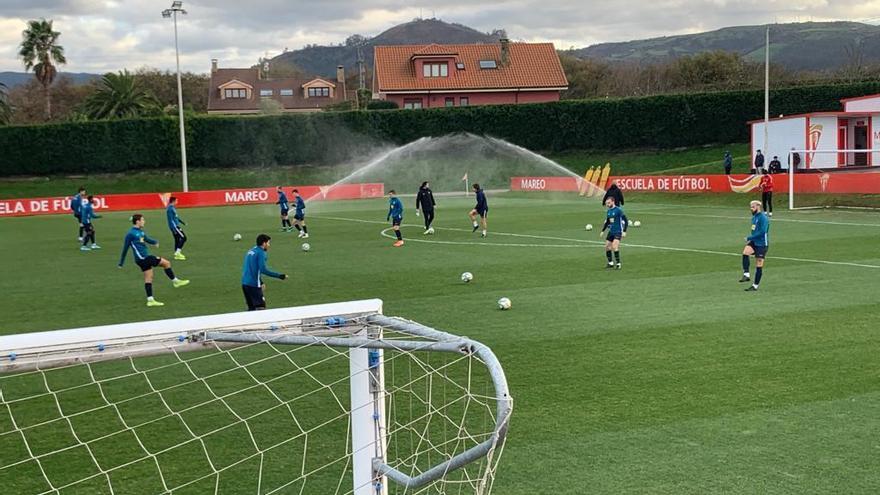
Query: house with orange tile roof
428,76
236,91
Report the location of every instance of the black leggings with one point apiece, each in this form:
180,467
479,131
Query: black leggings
89,231
429,217
179,239
767,201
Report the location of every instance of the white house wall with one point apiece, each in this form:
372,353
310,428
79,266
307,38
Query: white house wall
783,136
826,128
866,105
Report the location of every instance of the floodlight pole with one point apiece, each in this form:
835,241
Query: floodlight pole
766,94
177,7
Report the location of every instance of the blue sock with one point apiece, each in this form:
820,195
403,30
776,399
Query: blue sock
758,273
745,265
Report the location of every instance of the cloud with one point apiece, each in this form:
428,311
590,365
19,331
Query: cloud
104,35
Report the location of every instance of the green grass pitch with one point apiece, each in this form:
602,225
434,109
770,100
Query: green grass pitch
664,377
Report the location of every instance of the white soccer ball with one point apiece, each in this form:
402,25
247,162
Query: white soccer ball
306,247
589,226
467,277
504,303
637,223
236,237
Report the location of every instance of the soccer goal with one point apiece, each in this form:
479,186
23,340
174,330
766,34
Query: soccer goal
821,188
322,399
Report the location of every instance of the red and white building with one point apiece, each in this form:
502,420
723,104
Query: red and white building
857,127
428,76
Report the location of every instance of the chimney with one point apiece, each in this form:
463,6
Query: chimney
340,80
213,65
505,52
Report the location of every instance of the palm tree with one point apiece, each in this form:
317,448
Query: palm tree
5,108
39,50
118,96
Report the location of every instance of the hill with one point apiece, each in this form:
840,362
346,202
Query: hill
322,60
12,79
813,46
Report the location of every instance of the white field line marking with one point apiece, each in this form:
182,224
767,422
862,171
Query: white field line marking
744,218
385,233
587,241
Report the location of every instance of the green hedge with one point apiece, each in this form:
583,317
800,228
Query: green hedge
653,122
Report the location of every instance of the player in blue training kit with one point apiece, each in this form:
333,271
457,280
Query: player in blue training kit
481,209
284,204
254,266
86,214
76,207
137,241
174,223
299,215
757,244
616,223
395,214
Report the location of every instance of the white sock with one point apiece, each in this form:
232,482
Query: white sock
476,224
175,279
150,298
746,274
484,231
177,251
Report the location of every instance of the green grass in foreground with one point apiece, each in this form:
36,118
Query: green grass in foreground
702,160
664,377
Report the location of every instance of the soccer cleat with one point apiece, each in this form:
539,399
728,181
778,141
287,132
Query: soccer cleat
431,231
475,228
609,265
483,234
618,266
305,236
745,279
426,232
95,246
398,244
770,214
179,283
153,302
80,239
85,248
751,288
179,256
300,233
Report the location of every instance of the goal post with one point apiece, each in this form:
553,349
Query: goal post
334,398
810,184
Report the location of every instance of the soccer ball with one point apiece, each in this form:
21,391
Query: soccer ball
637,223
236,237
467,277
589,226
504,303
306,247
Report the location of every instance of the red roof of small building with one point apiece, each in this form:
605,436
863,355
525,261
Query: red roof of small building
531,65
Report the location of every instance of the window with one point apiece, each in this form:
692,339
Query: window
450,101
286,92
435,70
234,93
488,64
464,101
412,104
266,92
318,92
459,66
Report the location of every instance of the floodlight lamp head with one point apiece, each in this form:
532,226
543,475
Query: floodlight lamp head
176,4
166,13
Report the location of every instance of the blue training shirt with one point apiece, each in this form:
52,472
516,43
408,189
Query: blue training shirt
482,204
255,265
174,221
300,206
760,235
395,209
87,213
137,240
76,204
282,201
615,220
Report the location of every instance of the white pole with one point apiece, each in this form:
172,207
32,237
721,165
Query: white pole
791,180
467,188
180,112
767,94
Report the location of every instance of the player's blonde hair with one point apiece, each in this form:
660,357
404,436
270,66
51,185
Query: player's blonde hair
757,203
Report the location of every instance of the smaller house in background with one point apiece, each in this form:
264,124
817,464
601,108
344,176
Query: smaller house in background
237,91
503,73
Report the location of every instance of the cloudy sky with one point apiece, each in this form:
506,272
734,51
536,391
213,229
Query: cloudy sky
105,35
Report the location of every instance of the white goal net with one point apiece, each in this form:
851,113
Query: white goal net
318,399
831,178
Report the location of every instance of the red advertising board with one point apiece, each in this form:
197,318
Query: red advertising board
147,201
820,183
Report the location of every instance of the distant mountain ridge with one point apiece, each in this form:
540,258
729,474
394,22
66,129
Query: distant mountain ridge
322,60
799,46
12,79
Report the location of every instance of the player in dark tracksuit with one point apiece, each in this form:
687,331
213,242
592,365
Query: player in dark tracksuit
614,192
174,223
284,204
86,214
252,269
757,244
616,223
299,215
481,209
425,203
76,207
395,214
